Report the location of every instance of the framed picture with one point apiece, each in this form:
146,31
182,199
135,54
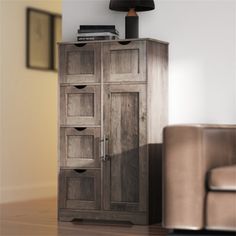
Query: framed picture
57,29
43,31
39,53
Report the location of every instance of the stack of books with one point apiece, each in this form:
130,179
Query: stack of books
97,32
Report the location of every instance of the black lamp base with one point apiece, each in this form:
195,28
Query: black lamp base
131,27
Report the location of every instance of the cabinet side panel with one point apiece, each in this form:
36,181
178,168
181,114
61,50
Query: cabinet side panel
62,61
155,182
157,72
60,184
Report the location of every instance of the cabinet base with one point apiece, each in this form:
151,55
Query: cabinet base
134,218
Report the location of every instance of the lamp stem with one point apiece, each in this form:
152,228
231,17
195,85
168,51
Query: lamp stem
131,24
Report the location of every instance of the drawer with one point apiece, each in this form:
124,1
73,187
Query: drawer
124,61
80,105
80,63
80,189
80,147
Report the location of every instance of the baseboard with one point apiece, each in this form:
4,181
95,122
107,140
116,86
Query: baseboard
27,192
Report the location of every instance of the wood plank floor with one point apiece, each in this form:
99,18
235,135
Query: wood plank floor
38,218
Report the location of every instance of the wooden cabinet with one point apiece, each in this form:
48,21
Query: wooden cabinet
113,106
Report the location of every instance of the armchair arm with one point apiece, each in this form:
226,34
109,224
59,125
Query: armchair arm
190,151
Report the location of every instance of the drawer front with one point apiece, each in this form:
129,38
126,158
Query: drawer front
80,64
80,105
80,147
124,62
80,189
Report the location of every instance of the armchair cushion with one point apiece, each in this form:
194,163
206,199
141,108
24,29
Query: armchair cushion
221,210
222,178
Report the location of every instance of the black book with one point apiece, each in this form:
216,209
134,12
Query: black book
92,38
114,31
97,27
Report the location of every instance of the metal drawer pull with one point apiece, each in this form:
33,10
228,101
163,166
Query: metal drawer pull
80,170
80,86
104,156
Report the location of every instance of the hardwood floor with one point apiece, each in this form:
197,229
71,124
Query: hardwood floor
39,218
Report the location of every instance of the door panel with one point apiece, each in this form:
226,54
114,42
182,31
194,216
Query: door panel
80,63
124,130
124,62
80,147
80,105
125,127
80,189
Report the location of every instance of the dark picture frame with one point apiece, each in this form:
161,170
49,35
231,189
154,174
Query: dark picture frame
42,33
57,32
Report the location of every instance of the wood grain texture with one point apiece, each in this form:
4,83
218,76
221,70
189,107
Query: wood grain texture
130,108
121,41
138,218
79,190
80,106
80,148
80,64
157,72
155,182
39,218
125,125
124,62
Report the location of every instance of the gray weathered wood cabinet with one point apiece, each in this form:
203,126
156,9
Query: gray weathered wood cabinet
113,106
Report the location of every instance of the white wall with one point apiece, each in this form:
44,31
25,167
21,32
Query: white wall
28,112
202,37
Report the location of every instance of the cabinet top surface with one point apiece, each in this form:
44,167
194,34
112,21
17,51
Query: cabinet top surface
116,40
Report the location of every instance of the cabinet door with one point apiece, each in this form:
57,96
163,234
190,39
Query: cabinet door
124,62
80,147
125,170
80,105
80,63
80,189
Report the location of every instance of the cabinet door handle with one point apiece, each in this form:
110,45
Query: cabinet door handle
124,42
80,86
80,44
80,170
104,141
80,128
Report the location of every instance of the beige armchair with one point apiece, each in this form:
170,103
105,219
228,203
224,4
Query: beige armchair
199,183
